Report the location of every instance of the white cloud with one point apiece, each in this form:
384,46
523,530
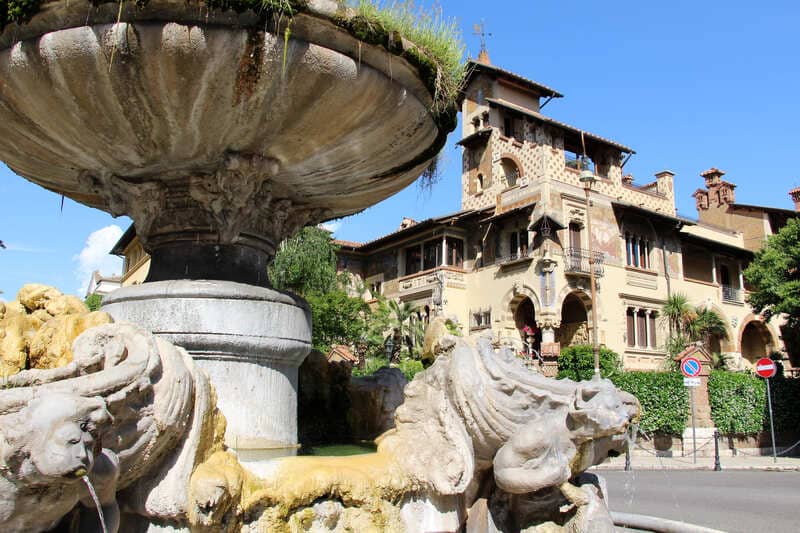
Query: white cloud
332,226
95,256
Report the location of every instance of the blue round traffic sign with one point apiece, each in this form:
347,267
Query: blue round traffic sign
691,367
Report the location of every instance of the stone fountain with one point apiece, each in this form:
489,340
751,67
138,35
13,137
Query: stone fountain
220,140
222,133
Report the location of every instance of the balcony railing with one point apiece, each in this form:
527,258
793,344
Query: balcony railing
576,261
732,294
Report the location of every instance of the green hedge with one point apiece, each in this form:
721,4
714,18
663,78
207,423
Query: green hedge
739,403
664,399
577,362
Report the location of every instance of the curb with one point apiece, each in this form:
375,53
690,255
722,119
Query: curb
769,468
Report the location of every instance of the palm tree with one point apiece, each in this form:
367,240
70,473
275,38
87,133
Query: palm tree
707,325
401,317
678,314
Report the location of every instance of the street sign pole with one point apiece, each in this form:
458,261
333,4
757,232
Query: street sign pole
694,431
766,368
691,368
771,424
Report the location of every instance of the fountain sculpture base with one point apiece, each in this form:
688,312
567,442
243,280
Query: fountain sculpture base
249,340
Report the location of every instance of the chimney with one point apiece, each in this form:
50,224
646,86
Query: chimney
483,57
720,193
713,176
664,181
627,179
795,194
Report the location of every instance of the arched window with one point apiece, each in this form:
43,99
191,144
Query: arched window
510,171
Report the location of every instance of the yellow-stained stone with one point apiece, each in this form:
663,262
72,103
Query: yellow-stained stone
51,346
35,296
13,348
37,329
65,305
368,486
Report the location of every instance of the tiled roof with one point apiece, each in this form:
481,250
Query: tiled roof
547,120
348,244
430,222
475,66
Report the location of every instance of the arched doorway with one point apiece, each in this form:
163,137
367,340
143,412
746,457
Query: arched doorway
574,322
525,322
756,341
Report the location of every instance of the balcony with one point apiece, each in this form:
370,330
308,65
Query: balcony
576,262
732,295
514,259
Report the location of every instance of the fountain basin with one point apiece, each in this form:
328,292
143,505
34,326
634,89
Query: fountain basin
210,132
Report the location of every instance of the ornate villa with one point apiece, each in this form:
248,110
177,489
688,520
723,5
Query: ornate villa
515,264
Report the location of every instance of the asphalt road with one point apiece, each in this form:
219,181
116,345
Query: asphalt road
734,501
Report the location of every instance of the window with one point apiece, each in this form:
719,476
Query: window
480,182
376,288
518,243
637,251
455,252
481,319
641,328
432,254
510,171
413,260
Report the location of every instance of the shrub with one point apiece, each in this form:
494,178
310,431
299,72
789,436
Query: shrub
577,362
373,364
739,403
410,368
664,399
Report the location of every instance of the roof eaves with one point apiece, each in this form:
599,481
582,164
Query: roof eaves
124,241
544,90
553,122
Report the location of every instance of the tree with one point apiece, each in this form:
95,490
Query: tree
305,263
690,324
707,325
93,302
774,275
337,318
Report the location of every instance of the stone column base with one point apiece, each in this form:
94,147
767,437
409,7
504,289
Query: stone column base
249,340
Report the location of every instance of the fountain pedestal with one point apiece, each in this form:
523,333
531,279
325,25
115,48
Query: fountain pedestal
249,340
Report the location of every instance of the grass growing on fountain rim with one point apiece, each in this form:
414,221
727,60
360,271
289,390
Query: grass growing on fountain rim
437,50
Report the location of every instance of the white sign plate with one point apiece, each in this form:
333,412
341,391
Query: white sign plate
691,382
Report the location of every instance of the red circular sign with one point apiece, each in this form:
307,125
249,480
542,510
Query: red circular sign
766,368
691,367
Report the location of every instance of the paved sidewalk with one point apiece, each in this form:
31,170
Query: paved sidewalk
739,462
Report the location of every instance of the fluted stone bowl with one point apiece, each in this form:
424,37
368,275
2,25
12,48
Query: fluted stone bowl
207,129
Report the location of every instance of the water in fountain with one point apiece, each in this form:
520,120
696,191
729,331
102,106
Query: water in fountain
96,503
630,475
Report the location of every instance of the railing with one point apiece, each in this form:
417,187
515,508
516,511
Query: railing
516,256
576,261
732,294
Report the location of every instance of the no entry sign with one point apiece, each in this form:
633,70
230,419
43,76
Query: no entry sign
766,368
691,367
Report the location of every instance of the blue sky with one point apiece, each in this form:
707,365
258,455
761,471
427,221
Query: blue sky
688,85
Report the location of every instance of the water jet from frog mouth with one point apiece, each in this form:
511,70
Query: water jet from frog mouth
96,502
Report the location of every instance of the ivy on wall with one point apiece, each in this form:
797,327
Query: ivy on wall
664,399
739,403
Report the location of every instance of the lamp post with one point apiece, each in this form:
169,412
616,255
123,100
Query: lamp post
587,179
